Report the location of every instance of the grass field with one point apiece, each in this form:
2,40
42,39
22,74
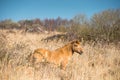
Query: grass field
98,62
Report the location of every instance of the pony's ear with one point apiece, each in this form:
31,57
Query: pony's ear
74,41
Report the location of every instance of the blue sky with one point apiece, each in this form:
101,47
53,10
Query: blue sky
31,9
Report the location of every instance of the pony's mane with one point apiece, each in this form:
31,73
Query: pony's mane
68,44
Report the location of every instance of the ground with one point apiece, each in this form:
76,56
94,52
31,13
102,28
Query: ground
98,62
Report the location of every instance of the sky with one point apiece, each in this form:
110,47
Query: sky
66,9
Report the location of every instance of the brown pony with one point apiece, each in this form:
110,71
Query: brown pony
59,56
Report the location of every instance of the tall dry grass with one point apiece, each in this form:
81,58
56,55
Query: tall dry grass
98,62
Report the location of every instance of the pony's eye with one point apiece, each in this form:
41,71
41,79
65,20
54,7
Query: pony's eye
75,45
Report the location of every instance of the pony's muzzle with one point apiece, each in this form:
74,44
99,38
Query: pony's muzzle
81,52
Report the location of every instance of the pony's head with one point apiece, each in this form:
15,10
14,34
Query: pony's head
76,46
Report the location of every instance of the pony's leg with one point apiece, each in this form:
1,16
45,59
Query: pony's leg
64,64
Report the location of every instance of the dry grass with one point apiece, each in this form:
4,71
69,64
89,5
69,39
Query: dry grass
99,62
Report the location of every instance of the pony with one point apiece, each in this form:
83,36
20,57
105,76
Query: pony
60,56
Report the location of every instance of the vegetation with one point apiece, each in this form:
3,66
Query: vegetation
98,62
103,26
100,37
